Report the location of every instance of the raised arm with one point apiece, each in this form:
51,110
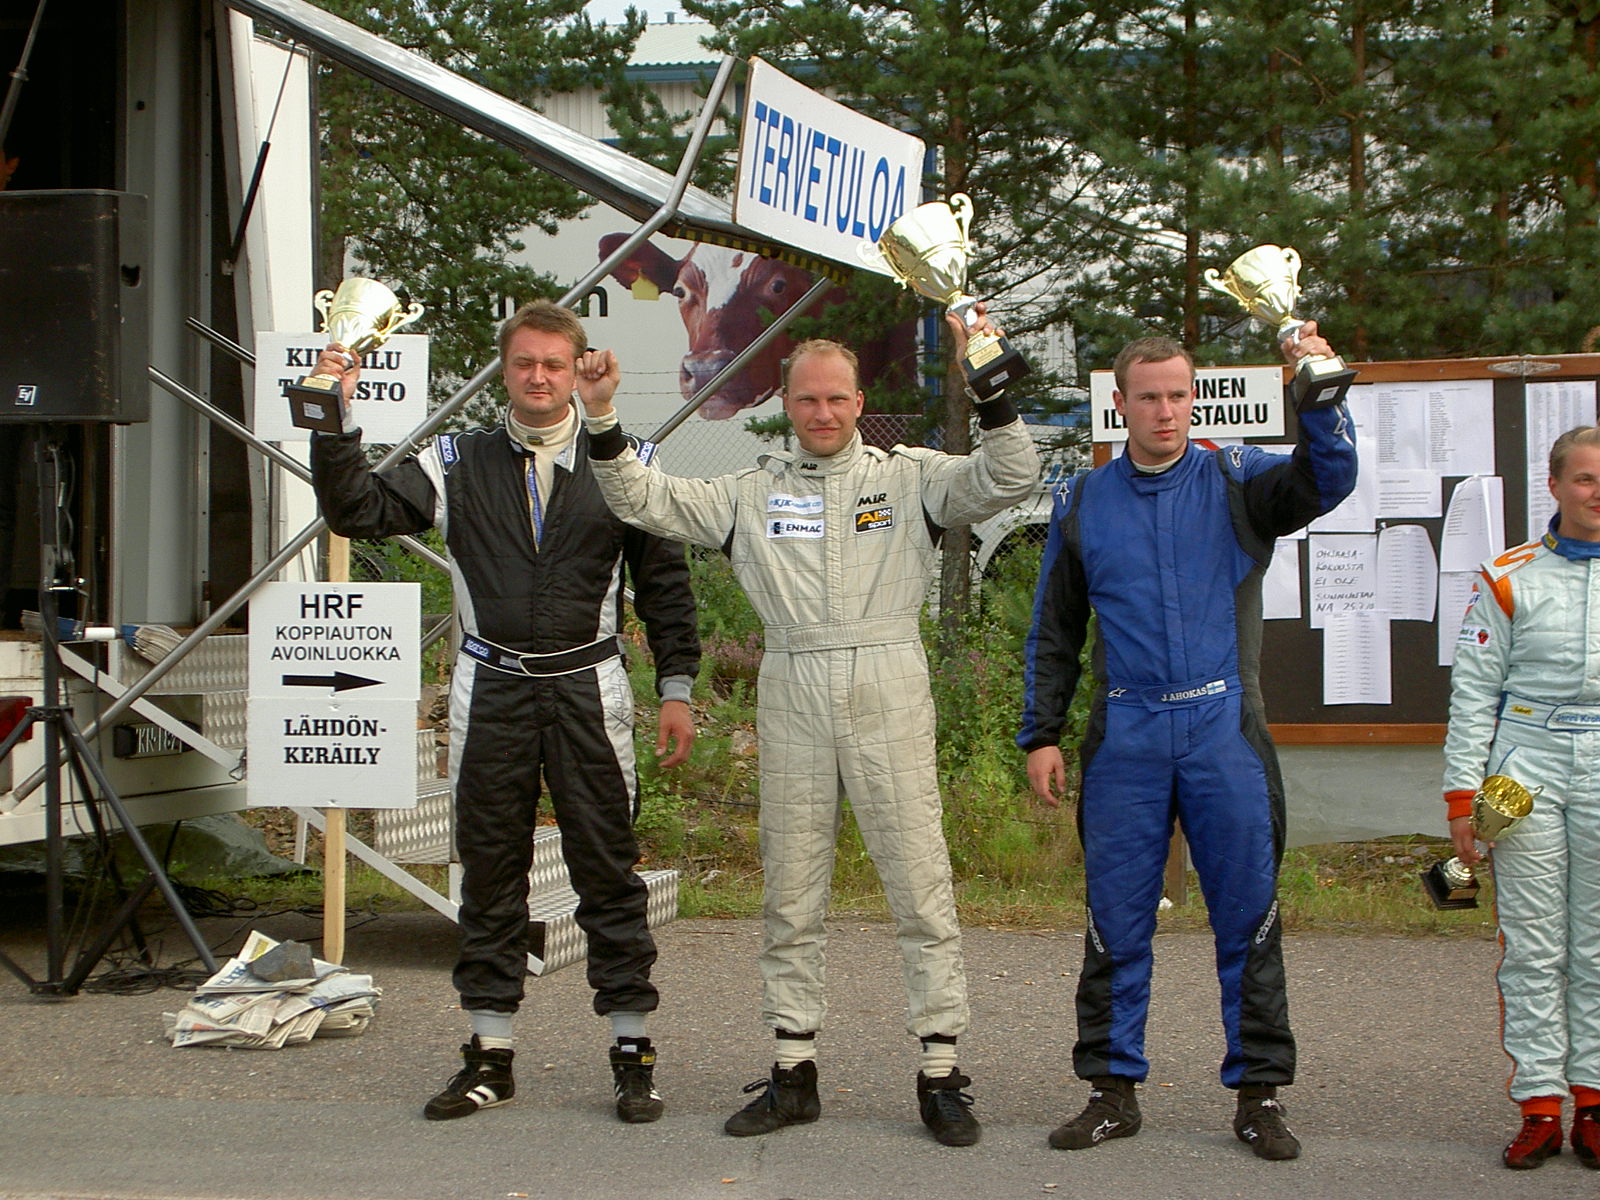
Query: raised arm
1286,494
691,510
356,501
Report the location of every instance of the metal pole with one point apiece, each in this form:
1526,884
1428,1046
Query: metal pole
413,440
20,74
680,184
245,434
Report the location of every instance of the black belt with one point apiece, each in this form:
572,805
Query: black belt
561,662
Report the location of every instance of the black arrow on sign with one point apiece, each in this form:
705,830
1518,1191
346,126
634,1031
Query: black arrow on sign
338,681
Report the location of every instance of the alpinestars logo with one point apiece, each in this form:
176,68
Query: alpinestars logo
1236,456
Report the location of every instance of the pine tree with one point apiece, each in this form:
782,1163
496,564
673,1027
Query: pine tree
435,210
1506,150
1433,161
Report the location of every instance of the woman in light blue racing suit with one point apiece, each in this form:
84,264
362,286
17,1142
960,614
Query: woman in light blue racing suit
1525,702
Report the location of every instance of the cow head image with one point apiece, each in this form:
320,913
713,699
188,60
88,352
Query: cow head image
726,298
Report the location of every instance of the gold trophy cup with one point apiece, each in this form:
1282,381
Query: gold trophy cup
360,316
1266,283
1498,807
927,250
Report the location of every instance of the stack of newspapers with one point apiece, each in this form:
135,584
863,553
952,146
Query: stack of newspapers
236,1008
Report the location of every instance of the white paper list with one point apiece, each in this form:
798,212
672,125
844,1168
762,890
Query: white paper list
1455,589
1280,586
1355,658
1552,407
1474,524
1408,573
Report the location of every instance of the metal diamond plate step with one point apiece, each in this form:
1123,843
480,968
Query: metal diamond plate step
218,664
554,935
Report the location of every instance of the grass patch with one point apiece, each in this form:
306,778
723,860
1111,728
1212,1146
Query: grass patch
1375,887
365,889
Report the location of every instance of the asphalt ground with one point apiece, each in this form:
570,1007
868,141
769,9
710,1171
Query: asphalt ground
1401,1092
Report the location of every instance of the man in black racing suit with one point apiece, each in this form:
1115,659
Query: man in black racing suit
539,688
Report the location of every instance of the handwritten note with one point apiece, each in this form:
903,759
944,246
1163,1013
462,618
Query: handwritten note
1343,574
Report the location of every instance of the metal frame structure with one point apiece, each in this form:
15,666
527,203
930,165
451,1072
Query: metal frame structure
662,203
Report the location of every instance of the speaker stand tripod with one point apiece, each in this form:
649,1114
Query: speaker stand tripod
64,747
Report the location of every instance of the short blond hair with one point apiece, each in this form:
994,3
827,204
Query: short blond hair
546,316
1148,349
1583,435
822,346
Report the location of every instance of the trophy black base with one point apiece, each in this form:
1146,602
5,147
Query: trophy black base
1320,382
993,365
315,402
1443,895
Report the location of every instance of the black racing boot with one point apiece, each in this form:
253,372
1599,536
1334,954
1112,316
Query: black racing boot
483,1082
788,1097
633,1077
947,1110
1112,1112
1259,1123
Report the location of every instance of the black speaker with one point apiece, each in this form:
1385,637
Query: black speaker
74,310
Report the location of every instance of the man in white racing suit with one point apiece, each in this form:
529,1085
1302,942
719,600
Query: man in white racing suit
835,545
1525,702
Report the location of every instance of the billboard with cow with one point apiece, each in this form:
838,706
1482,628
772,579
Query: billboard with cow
677,312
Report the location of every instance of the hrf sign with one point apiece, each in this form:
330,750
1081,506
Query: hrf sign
334,680
1230,402
391,396
818,175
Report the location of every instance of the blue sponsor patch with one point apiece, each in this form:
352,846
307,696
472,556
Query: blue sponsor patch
447,448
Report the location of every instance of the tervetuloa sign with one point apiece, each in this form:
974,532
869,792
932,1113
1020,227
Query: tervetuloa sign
818,175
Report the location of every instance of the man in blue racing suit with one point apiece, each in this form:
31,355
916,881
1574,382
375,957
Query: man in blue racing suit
1167,544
